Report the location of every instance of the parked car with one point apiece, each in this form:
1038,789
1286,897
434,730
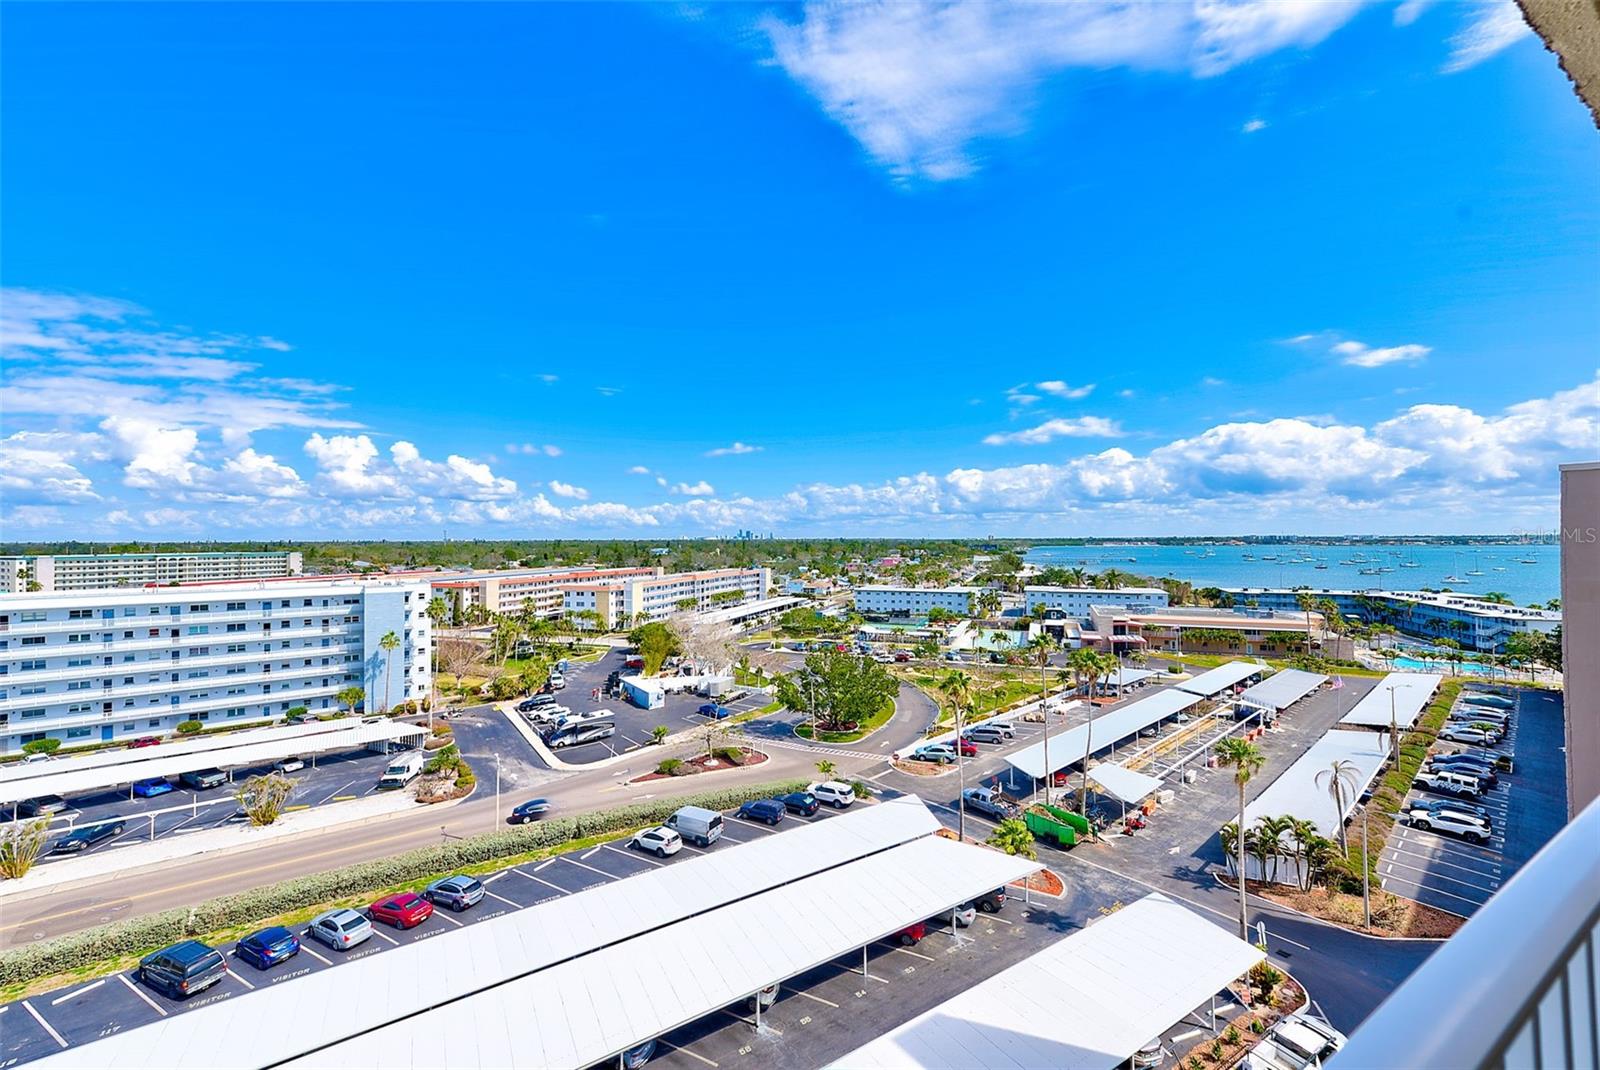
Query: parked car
1501,762
1297,1042
543,698
714,710
402,770
1469,714
528,705
406,910
697,825
1449,783
902,656
532,810
989,802
833,793
146,789
1006,728
770,811
965,915
81,839
341,928
1449,804
659,841
984,734
911,934
458,892
1473,828
183,969
288,765
800,802
203,779
1466,733
991,902
1472,767
30,759
634,1058
940,753
883,659
557,681
268,947
145,741
576,734
1484,698
549,714
42,806
967,748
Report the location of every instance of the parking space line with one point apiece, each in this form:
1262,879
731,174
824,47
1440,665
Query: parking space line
1442,877
591,869
308,949
453,921
502,899
817,999
497,876
78,992
752,824
136,990
686,1051
741,1018
634,854
542,865
915,954
335,792
235,975
380,933
544,882
590,853
47,1026
1492,873
1438,891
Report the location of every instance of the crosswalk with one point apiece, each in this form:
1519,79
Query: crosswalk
814,748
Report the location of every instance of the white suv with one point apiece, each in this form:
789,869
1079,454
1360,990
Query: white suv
659,841
834,793
1470,827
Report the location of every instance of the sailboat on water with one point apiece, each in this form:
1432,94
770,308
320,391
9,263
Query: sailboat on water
1453,578
1476,569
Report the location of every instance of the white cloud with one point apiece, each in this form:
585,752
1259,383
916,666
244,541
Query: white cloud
608,391
733,450
345,464
920,84
532,448
1494,27
1081,427
567,490
546,377
1212,380
1253,125
701,489
549,450
1361,355
260,473
159,458
1057,388
639,470
1408,12
454,477
41,466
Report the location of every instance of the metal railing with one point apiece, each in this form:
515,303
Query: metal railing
1516,987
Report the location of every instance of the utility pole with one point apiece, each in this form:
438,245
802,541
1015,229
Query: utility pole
1366,898
496,789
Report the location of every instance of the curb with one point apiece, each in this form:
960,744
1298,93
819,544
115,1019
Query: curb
1223,882
548,756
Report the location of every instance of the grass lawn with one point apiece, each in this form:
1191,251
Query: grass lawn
875,722
750,715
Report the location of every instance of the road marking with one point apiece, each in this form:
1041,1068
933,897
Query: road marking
817,999
590,853
379,933
136,990
445,917
544,882
741,1018
915,954
1438,891
308,949
686,1051
47,1027
635,855
687,846
497,876
758,827
502,899
996,917
78,992
591,869
241,980
1440,876
543,865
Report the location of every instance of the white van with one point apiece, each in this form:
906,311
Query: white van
697,825
403,769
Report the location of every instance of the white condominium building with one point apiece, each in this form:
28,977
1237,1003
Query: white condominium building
656,597
544,588
106,665
85,572
1075,601
882,600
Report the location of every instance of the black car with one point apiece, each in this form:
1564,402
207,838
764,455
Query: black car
532,810
800,802
991,902
770,811
201,779
81,839
183,969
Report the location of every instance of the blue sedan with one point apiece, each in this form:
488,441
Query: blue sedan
269,947
714,711
154,786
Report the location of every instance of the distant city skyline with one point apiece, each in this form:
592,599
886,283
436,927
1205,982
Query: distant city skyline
527,271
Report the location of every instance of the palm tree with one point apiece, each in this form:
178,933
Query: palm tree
1041,649
438,612
1305,834
351,697
1341,779
1077,577
389,644
988,602
958,686
1246,760
1307,602
1269,836
1110,579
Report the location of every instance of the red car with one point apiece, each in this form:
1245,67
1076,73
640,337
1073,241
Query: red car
911,934
403,911
145,741
969,749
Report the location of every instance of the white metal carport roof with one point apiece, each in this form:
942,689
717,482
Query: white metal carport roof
1123,783
289,1019
76,782
1067,747
1221,678
1297,793
1412,692
1283,689
1086,1002
1125,676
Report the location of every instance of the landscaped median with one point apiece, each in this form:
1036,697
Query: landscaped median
106,949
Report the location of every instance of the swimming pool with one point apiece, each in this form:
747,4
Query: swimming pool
1465,668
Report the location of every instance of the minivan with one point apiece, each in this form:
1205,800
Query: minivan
402,770
697,825
986,733
201,779
183,969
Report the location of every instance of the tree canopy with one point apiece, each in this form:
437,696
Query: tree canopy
847,689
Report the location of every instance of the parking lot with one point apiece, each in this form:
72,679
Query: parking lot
1526,808
585,691
325,780
927,973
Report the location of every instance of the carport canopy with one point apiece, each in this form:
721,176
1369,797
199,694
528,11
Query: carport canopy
1088,1002
167,764
1215,681
1067,747
1298,793
1125,676
1123,783
1412,692
1282,689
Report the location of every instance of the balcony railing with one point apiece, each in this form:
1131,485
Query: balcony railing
1516,987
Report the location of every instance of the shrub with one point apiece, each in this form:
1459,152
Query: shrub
1231,1036
659,733
295,713
1265,979
403,709
670,767
42,746
188,728
20,844
731,755
140,935
1257,1026
262,797
860,790
442,729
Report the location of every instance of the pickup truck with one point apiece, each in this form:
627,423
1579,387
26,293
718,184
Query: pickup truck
991,803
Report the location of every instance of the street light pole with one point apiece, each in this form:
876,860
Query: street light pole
1394,735
496,789
1366,898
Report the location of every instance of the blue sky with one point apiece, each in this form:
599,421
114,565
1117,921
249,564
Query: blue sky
539,270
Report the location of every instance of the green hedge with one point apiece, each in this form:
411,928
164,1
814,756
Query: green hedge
140,935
